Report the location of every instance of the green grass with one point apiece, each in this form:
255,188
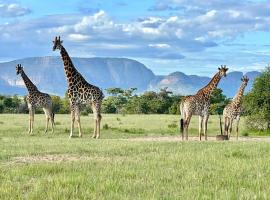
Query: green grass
113,126
111,168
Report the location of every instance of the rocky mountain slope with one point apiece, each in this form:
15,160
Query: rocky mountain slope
48,74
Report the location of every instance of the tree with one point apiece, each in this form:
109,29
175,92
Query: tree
57,103
218,101
217,96
114,91
257,102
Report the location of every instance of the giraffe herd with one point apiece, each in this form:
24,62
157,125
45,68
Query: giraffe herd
81,92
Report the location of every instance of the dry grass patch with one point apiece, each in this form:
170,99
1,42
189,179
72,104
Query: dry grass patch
58,158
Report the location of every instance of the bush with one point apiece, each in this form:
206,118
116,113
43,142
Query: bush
257,103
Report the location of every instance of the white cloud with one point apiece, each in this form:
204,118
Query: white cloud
78,37
189,32
160,46
13,10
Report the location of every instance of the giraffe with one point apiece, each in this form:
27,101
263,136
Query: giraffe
233,109
79,92
36,99
198,104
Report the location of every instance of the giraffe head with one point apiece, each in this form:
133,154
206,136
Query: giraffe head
222,70
245,80
19,69
57,43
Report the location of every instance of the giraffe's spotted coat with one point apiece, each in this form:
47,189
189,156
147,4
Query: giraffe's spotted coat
80,91
199,104
233,110
36,99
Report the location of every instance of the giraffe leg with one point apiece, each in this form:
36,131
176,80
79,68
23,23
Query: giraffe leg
230,127
32,121
47,124
77,114
98,120
51,117
225,126
205,126
200,127
237,125
72,123
187,121
79,126
52,121
182,122
97,116
98,129
95,130
95,126
47,118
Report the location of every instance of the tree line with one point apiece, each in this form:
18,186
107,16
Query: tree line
120,101
256,104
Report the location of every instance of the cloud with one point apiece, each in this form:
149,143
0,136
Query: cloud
194,29
13,10
161,46
163,6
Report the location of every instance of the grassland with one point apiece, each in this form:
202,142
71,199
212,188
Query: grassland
50,166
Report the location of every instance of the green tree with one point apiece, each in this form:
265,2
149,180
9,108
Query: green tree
57,103
218,101
257,102
114,91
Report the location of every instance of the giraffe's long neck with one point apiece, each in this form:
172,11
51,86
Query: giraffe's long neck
209,88
70,70
28,83
238,97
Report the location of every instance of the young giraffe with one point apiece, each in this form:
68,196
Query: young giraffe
233,109
36,99
198,104
79,92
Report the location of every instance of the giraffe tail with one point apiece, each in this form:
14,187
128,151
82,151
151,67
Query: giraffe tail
182,118
53,118
182,125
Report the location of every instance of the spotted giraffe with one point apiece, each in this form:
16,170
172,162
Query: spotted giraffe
198,104
36,99
233,109
79,92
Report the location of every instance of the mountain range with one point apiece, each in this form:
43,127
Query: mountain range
48,74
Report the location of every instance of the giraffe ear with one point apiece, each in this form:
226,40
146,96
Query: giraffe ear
219,68
61,41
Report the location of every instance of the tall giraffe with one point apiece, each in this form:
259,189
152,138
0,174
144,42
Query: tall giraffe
233,109
79,92
36,99
198,104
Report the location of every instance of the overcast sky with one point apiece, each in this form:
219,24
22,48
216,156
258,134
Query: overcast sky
191,36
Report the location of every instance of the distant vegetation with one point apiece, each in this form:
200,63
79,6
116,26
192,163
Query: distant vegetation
118,101
257,103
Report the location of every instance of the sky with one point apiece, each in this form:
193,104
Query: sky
194,37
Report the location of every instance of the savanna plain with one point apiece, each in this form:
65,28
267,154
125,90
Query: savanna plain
125,164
